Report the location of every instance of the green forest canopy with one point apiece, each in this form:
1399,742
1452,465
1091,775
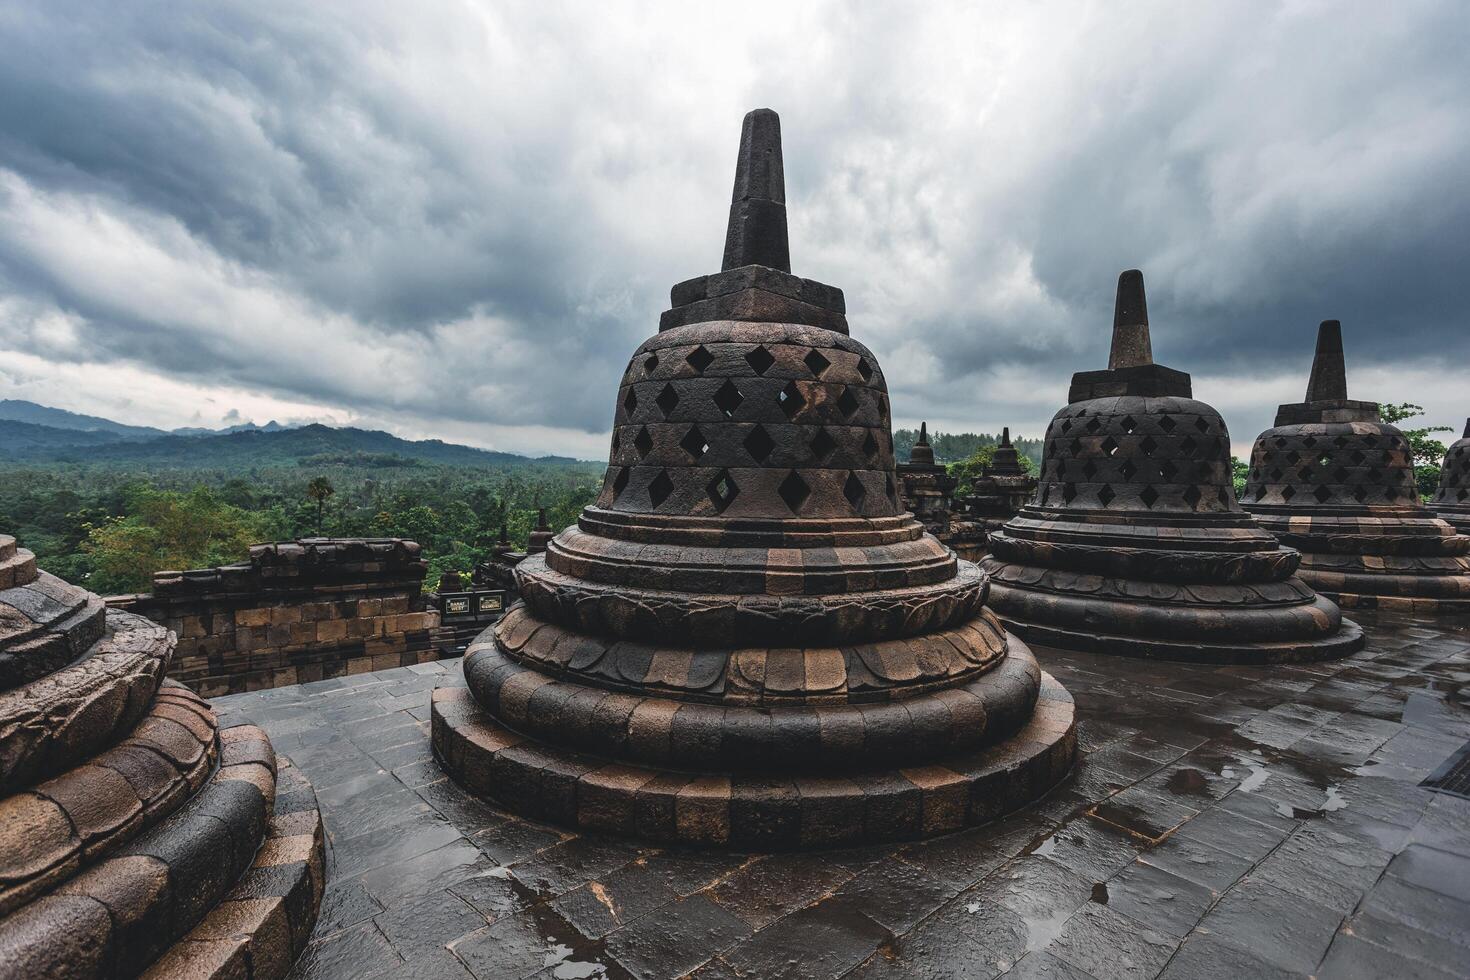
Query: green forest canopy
111,523
111,530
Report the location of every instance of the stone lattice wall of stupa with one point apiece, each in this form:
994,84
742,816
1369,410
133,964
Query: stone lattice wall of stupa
1335,482
132,826
1452,498
1135,544
746,640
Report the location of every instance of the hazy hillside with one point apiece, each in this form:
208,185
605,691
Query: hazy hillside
19,438
309,445
13,410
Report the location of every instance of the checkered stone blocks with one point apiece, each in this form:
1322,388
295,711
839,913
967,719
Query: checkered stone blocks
752,420
1335,464
1135,453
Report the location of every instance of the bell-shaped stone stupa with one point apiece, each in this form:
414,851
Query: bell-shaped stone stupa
136,833
1135,544
1335,482
925,487
1001,490
1452,499
745,640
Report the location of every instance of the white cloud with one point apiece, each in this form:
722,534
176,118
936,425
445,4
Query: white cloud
461,221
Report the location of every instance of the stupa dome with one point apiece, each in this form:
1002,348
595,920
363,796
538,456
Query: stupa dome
1336,482
746,639
1452,498
1135,544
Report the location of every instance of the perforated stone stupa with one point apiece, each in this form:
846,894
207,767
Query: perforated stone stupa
1336,482
925,487
1135,543
1452,498
745,640
997,494
137,836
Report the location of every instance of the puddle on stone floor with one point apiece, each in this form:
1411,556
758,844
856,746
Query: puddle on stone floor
1042,929
567,953
1042,844
1189,782
566,968
1257,774
1333,803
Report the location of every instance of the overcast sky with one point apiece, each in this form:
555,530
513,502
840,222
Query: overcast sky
459,219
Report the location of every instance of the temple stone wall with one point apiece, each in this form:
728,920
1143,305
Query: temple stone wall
295,612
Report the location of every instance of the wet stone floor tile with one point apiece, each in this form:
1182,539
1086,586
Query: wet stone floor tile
1221,821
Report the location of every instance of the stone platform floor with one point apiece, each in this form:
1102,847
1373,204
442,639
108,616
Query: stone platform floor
1221,821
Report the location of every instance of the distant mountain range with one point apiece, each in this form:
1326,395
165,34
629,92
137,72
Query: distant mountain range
31,433
12,410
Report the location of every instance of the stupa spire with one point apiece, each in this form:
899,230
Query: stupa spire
922,454
1329,376
1005,438
756,234
1131,345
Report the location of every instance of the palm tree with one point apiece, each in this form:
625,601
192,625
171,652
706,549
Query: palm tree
319,489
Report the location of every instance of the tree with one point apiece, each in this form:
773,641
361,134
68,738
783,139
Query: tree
166,530
1427,452
1239,471
968,469
319,489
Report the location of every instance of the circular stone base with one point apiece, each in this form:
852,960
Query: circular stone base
1347,640
746,812
1396,603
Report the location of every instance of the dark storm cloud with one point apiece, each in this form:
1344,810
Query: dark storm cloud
468,216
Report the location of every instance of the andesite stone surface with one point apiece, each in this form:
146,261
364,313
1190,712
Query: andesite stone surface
746,641
296,611
1452,498
1135,544
138,835
1337,483
1221,821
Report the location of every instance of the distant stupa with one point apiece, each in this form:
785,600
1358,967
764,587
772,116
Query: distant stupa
1135,544
746,640
1337,483
1452,499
